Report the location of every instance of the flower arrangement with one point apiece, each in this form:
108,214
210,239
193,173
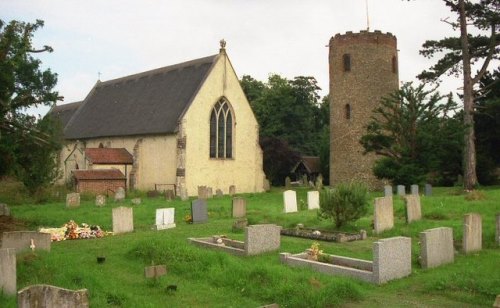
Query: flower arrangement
71,231
188,219
314,252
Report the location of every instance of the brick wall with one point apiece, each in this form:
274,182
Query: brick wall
99,186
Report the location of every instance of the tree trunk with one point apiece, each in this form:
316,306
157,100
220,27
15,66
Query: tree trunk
469,168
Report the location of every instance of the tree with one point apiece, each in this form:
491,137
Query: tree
25,141
279,159
459,55
415,132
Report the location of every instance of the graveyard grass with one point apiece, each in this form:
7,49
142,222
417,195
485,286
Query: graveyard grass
209,278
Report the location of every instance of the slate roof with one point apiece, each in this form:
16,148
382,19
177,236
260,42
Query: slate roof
311,163
99,174
151,102
109,156
64,112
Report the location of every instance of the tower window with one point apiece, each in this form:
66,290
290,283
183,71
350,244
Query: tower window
348,111
347,62
394,64
221,130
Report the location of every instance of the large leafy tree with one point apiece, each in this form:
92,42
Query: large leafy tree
414,132
459,54
25,141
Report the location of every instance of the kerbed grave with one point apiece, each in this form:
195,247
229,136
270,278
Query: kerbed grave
323,235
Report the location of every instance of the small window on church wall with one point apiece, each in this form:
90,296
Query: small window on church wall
394,64
101,145
348,111
221,130
347,62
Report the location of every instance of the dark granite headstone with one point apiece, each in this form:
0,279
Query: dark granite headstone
428,189
199,212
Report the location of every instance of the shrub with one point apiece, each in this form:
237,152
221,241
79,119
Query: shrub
346,203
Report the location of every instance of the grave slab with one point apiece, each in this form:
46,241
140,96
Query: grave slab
155,271
22,240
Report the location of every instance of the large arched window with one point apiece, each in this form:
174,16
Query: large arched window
221,130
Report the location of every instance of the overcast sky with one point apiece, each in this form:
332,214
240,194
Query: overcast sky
287,37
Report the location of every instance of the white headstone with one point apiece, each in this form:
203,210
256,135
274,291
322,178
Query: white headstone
313,200
165,218
290,200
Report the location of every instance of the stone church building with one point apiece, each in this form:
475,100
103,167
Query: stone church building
180,126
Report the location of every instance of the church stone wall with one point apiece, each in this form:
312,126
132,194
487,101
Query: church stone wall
373,74
244,170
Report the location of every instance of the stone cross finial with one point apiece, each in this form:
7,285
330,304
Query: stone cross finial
222,45
32,245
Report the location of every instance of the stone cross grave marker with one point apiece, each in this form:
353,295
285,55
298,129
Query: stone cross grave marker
290,201
401,190
413,209
100,200
414,189
473,233
155,271
8,271
120,194
123,220
383,215
165,218
313,200
199,212
436,247
42,295
428,190
239,207
232,190
73,200
387,191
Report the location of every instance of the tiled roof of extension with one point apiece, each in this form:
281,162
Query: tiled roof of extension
99,174
109,156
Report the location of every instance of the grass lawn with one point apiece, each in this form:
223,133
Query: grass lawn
207,278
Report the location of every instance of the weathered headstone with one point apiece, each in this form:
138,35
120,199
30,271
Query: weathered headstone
428,190
8,272
319,182
165,218
240,224
267,185
120,194
391,259
413,209
100,200
383,215
136,201
152,194
218,193
183,193
473,233
288,183
290,201
232,190
73,200
497,230
313,200
22,240
436,247
239,207
123,220
202,192
169,194
210,193
262,238
305,181
414,189
41,295
4,210
155,271
387,191
401,190
199,213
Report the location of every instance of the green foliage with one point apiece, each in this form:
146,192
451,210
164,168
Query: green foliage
417,136
278,160
346,203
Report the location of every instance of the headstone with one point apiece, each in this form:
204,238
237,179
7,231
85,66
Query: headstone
288,183
22,240
473,233
387,191
305,181
232,190
240,224
155,271
120,194
391,259
169,194
210,193
218,193
428,190
383,215
199,212
413,209
73,200
313,200
165,218
436,247
8,272
401,190
184,194
42,295
262,238
4,210
290,201
267,185
497,230
414,189
202,192
496,304
152,194
123,220
136,201
100,200
239,207
319,182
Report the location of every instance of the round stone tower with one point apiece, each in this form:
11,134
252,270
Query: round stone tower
363,69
